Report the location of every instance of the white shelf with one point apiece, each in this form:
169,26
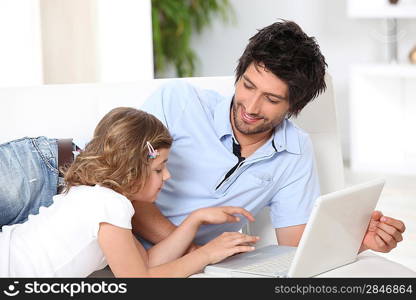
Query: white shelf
381,9
386,70
382,118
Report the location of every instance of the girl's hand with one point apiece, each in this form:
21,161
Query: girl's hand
227,244
221,214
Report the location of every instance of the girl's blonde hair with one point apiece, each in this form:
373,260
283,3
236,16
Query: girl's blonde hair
117,155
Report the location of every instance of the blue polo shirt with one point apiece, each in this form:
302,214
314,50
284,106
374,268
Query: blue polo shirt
280,174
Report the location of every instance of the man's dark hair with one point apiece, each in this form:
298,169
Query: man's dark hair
286,51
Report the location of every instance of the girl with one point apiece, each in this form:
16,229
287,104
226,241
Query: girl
89,225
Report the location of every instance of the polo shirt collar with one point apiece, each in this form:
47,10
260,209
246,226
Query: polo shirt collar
286,137
222,122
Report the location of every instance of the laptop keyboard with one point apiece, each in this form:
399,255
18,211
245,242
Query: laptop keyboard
276,264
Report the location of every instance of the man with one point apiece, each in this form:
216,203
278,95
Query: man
244,151
240,151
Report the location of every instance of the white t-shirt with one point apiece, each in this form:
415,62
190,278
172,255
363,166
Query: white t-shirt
62,241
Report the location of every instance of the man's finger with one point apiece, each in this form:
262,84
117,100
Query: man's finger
399,225
391,230
387,238
380,243
372,226
376,215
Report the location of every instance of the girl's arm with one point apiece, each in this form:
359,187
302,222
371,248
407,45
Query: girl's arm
175,244
121,251
127,257
180,239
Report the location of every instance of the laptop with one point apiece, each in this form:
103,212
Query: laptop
332,238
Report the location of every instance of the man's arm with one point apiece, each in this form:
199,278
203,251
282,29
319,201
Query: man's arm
289,236
149,223
382,234
152,225
292,204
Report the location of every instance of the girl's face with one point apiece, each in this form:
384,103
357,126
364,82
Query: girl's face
158,175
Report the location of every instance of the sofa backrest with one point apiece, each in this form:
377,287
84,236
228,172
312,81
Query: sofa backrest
69,110
73,110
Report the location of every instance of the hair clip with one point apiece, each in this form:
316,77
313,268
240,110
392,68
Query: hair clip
152,152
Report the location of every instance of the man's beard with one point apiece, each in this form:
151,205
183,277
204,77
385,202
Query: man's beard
244,129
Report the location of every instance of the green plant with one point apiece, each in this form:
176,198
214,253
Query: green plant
173,22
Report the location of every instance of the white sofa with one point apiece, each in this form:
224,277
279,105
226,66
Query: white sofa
73,110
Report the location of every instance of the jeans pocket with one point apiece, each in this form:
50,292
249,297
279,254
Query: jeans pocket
45,148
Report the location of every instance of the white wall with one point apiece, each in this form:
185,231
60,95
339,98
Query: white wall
343,41
74,41
20,43
69,41
96,40
124,34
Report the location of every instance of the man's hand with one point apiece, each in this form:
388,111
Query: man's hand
383,233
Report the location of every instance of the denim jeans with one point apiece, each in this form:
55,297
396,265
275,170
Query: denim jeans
28,177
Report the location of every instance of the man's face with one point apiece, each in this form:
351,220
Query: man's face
260,101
